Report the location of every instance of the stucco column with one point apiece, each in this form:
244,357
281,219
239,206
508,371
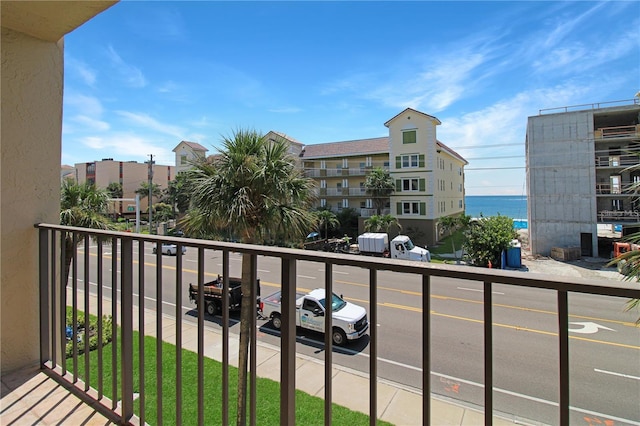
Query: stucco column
31,128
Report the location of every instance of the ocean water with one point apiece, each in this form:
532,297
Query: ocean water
513,206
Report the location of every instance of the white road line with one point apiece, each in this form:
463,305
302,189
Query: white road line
304,276
335,272
263,270
477,290
613,373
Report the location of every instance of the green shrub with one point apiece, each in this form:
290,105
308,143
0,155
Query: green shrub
107,332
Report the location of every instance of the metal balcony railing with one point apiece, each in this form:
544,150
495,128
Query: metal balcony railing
127,289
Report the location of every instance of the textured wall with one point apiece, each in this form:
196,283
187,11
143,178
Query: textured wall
30,183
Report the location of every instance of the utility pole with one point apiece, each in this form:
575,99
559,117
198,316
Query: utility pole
150,193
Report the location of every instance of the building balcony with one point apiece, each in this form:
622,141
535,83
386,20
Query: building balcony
623,189
150,291
617,132
338,172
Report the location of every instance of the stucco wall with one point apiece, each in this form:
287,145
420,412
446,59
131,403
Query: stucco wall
32,73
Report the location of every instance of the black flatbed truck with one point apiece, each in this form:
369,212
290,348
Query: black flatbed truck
213,294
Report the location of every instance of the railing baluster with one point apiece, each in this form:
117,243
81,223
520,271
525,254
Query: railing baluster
100,295
62,304
426,349
74,306
159,333
55,342
126,312
328,344
87,312
43,265
179,334
253,365
201,312
488,354
373,347
114,316
225,337
141,334
288,344
563,340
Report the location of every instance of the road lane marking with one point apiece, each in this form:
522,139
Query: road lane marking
305,276
478,290
613,373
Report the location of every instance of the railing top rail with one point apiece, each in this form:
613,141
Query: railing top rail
497,276
584,107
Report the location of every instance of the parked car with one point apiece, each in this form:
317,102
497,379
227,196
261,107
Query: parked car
170,249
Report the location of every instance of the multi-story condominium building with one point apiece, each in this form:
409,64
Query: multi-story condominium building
428,175
583,170
130,174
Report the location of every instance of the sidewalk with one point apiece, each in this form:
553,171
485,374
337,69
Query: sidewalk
397,404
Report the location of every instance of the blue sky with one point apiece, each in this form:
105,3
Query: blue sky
142,76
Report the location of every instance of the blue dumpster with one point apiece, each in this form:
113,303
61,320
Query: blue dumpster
514,257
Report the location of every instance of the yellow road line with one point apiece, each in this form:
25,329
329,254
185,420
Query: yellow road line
419,310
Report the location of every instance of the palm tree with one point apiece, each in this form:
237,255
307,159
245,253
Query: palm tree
327,219
377,223
114,189
380,186
81,205
253,189
449,224
143,190
373,224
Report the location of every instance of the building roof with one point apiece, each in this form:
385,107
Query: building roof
413,111
452,152
193,145
346,148
286,137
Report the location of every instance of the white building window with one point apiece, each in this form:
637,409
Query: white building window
410,185
345,203
410,161
410,208
369,203
345,183
323,202
323,164
323,183
369,162
345,163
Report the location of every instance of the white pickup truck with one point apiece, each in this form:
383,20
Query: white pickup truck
349,320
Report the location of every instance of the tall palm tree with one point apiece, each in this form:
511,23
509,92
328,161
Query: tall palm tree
377,223
327,219
253,189
81,205
380,186
143,190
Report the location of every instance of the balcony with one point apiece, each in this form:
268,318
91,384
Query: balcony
338,172
136,281
617,132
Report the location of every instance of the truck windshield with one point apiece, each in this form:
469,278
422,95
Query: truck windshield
336,303
409,245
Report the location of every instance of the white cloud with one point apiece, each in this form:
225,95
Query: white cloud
132,75
91,123
127,146
151,123
82,70
88,105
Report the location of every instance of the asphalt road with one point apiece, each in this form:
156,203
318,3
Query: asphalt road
604,344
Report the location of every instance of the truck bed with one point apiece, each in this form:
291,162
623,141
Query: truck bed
276,298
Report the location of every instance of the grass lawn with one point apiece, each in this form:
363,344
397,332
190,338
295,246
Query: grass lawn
444,246
309,409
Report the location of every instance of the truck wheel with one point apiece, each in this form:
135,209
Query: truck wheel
276,320
212,309
339,337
